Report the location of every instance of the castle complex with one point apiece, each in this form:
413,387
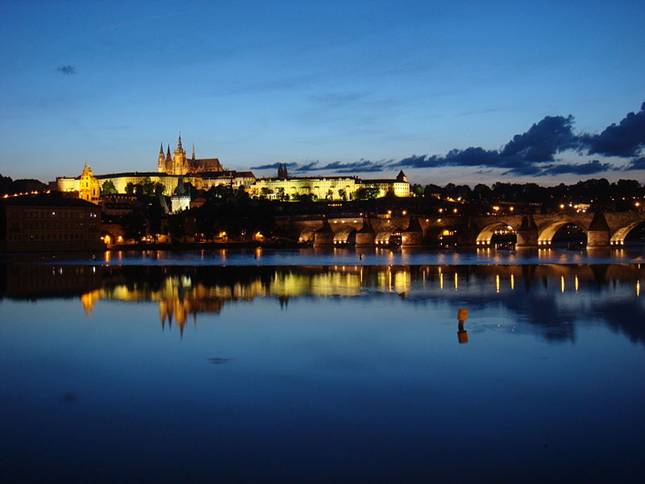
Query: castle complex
176,169
179,164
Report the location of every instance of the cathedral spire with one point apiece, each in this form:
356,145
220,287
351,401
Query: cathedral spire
193,152
179,146
161,149
168,157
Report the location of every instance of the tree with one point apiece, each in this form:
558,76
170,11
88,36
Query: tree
342,193
160,188
367,193
266,191
108,188
330,194
129,188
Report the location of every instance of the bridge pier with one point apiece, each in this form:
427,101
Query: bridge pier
598,233
324,236
366,236
527,233
413,235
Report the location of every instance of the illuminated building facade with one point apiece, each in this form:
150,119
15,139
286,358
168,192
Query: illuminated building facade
206,173
286,188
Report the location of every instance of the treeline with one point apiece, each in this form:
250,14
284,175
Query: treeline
9,186
600,193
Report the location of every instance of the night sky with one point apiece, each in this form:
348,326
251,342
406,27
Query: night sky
448,91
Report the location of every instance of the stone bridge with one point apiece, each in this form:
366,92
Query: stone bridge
603,229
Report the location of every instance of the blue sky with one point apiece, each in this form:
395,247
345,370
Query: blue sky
259,82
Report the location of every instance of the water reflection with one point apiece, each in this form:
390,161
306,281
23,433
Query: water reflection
550,297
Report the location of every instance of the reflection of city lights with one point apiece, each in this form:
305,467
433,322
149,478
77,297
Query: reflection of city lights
456,281
561,283
638,288
576,283
497,283
440,279
512,281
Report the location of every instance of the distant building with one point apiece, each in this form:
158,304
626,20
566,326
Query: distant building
201,173
284,187
179,164
47,223
206,173
89,187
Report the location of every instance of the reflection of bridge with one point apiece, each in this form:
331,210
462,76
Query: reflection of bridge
601,229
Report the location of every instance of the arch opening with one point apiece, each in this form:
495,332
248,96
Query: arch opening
383,238
563,234
345,237
499,235
632,234
307,236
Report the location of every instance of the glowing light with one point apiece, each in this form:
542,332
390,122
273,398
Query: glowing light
512,282
440,279
562,284
638,288
576,283
456,281
497,283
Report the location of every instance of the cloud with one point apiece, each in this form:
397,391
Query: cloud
311,166
531,153
66,70
553,134
624,139
588,168
636,164
273,166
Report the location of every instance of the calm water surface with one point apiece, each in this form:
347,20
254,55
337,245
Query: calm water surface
335,369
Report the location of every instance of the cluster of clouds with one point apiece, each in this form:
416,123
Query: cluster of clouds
66,70
534,152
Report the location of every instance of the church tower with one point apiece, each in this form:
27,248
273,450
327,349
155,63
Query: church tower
179,164
161,160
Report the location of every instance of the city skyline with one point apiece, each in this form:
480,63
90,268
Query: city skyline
364,88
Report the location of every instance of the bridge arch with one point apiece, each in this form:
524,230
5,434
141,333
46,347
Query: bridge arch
383,237
486,234
546,233
619,236
307,236
345,236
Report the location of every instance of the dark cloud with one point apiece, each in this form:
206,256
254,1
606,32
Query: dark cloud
588,168
273,166
311,166
542,141
636,164
532,153
624,139
345,167
66,70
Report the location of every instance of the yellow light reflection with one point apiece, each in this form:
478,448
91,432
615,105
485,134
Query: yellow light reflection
576,283
512,281
456,281
562,285
497,283
440,280
638,288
